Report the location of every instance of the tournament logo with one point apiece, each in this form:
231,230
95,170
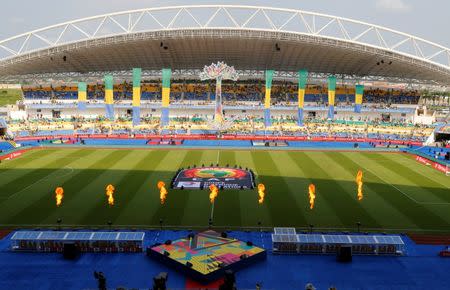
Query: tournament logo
226,178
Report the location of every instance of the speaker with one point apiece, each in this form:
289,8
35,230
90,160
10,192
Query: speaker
344,254
189,264
70,251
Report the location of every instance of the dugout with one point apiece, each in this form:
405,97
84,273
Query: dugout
286,241
99,242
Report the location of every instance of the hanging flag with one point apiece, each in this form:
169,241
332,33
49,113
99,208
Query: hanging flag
109,97
359,92
302,79
82,96
137,73
269,77
331,96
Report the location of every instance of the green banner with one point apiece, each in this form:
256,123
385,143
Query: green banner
82,87
137,74
109,82
359,89
332,83
269,77
302,78
166,75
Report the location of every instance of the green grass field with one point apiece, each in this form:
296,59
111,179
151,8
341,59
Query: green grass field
399,193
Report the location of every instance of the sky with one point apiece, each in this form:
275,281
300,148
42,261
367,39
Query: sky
428,19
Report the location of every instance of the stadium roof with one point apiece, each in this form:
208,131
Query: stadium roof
185,38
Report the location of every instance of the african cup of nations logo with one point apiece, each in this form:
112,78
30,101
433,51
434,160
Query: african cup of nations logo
214,172
227,178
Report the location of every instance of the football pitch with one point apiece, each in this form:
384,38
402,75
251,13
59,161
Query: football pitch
399,193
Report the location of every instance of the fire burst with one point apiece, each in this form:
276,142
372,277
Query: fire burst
261,193
214,192
110,194
312,195
359,182
162,191
59,191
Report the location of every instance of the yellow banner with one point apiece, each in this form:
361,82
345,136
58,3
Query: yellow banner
301,98
109,97
82,96
331,96
165,97
358,99
137,97
267,99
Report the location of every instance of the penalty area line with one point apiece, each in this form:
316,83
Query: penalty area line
405,194
42,179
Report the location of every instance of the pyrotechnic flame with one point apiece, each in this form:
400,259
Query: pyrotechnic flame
162,191
110,194
214,192
359,182
59,194
312,195
261,193
111,199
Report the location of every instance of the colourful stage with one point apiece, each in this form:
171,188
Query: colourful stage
207,255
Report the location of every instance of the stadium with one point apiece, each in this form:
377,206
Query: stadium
224,145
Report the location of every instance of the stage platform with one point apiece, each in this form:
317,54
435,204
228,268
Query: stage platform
206,256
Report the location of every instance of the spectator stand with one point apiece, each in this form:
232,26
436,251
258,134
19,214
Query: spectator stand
287,241
101,242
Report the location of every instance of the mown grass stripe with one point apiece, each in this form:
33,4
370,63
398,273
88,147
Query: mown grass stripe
23,204
392,217
339,194
27,158
176,211
98,208
417,213
44,209
324,212
79,195
281,203
418,184
251,211
126,184
230,200
36,175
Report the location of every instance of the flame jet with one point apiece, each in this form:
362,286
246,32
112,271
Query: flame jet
261,193
59,195
110,193
312,195
359,182
214,192
162,191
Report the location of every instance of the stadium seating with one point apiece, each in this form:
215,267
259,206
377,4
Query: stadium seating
282,93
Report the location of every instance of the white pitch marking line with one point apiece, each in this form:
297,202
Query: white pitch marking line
405,194
43,178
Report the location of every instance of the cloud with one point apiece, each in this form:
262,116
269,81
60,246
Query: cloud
393,6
